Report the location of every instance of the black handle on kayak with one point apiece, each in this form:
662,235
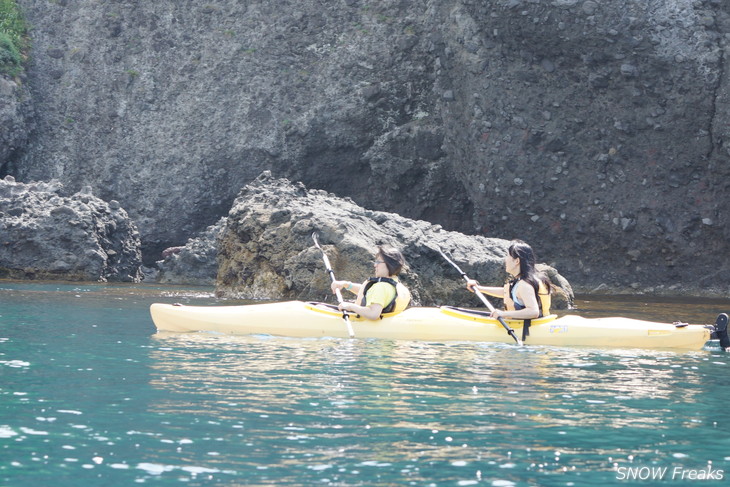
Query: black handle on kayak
482,297
345,315
721,330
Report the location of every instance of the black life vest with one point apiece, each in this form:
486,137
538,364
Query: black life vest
371,281
528,322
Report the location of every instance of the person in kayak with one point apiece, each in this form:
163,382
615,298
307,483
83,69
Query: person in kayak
381,294
527,294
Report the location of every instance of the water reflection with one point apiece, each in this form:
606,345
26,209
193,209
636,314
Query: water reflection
651,308
414,370
414,404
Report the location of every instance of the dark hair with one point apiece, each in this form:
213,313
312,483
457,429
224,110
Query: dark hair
528,272
393,259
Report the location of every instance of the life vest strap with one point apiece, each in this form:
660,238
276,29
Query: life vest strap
526,328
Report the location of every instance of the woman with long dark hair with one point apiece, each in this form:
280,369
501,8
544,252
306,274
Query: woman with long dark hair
527,294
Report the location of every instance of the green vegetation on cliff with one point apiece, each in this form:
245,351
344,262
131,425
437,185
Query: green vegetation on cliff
13,38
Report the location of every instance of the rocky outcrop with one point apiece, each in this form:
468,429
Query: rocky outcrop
267,252
195,262
596,131
47,235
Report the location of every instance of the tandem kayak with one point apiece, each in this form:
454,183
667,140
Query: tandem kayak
435,324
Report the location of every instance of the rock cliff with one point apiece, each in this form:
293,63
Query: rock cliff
596,131
266,249
15,115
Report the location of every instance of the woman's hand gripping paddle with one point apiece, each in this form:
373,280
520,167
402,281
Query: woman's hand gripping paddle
482,297
345,315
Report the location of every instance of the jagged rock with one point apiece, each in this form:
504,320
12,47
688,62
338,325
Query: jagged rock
195,262
266,250
46,235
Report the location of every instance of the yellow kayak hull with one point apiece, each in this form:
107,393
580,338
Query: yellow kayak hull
313,320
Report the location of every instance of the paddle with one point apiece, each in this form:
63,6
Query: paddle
482,297
345,315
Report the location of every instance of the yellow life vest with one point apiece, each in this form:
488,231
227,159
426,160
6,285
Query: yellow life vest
401,298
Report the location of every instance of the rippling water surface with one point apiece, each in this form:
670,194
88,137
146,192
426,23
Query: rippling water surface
90,395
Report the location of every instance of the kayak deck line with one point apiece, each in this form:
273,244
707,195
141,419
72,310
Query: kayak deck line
436,324
463,313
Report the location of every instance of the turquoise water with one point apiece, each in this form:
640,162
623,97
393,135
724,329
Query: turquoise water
90,395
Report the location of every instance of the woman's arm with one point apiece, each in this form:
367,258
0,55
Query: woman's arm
353,287
371,312
497,292
526,295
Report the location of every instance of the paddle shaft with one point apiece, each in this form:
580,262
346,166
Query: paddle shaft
338,294
483,298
